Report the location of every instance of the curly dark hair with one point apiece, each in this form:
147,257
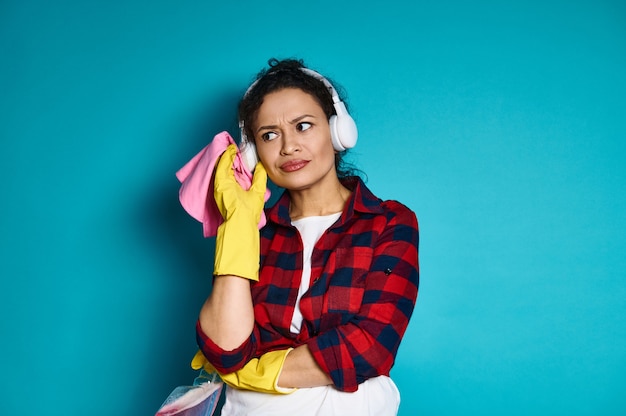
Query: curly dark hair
283,74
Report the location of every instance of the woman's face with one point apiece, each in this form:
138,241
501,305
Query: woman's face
292,138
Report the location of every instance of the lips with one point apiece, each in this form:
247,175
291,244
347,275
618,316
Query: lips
293,165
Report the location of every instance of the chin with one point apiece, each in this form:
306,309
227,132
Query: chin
295,184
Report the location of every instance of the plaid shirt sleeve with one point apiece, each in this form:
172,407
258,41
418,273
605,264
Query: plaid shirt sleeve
375,288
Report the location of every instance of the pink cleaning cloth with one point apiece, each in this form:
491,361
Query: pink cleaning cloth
196,191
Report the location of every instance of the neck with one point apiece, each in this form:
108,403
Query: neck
318,202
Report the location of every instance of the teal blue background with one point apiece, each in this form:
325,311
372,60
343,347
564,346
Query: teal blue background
501,124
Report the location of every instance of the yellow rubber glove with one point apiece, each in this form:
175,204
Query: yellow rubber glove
259,374
237,246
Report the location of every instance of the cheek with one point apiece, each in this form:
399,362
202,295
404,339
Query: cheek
259,149
265,160
268,161
329,150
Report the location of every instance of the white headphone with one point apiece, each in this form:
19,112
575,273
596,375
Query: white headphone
343,131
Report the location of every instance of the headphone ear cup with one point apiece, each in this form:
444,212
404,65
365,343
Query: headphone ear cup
249,155
343,131
334,135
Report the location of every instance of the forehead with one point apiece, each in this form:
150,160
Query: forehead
288,102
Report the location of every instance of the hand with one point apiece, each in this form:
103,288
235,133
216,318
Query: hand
259,374
230,197
237,246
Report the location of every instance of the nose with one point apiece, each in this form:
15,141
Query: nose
290,144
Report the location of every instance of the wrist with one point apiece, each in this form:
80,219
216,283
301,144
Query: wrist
237,249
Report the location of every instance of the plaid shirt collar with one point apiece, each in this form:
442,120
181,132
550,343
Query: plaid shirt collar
361,200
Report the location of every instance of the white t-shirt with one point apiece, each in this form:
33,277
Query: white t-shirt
310,229
377,396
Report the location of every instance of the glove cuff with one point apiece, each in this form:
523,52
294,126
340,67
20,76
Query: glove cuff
281,356
237,248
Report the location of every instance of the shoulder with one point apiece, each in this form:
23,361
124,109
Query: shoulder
397,222
398,212
384,212
396,207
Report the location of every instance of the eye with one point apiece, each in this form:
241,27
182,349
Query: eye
268,136
303,126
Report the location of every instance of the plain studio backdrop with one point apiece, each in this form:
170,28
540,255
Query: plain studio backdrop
502,124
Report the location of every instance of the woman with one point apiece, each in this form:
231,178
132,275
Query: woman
318,320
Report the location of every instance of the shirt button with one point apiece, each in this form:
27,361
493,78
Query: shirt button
387,271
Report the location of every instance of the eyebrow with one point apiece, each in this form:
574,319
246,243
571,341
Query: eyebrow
294,121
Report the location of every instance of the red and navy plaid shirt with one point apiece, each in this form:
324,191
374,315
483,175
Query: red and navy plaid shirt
364,280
